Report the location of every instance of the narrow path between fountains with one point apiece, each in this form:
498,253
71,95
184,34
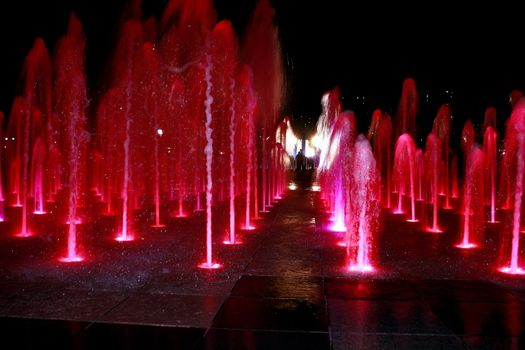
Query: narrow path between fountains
285,287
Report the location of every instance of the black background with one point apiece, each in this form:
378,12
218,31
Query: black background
477,52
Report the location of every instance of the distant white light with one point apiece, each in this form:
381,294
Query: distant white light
292,187
160,132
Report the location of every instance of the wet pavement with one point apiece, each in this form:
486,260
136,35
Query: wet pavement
285,287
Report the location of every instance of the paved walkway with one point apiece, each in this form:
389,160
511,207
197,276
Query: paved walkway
284,288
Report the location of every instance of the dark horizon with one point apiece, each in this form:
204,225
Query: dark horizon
364,50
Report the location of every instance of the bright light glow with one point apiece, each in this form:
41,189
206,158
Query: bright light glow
160,132
228,242
511,271
210,266
127,238
71,260
316,188
361,268
39,212
410,220
292,187
434,230
338,227
466,245
248,228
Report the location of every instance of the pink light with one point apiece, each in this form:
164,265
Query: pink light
248,228
181,215
398,211
78,221
24,234
124,238
337,227
512,271
466,245
228,242
73,259
412,220
212,266
342,244
361,268
39,212
434,230
158,226
277,197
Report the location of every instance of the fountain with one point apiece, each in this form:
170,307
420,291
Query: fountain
363,212
432,169
515,158
404,173
473,199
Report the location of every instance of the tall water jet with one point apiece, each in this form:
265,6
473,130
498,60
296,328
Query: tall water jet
342,142
152,95
37,175
2,198
491,160
208,150
249,103
432,160
454,173
408,109
441,129
37,95
128,50
515,152
261,50
364,208
473,199
404,173
380,136
71,104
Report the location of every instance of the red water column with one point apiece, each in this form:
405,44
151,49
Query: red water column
71,105
380,136
404,173
363,216
125,70
441,129
515,158
467,138
408,109
37,175
16,131
432,171
473,199
156,113
491,164
37,95
490,119
262,51
225,122
455,180
342,142
247,104
2,198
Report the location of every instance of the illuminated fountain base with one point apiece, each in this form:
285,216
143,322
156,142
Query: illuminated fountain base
361,268
512,271
213,266
74,259
466,245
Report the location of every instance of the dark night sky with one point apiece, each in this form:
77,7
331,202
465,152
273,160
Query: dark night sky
365,49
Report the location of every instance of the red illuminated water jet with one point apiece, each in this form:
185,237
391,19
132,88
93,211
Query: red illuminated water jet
432,162
515,158
363,210
404,173
473,199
